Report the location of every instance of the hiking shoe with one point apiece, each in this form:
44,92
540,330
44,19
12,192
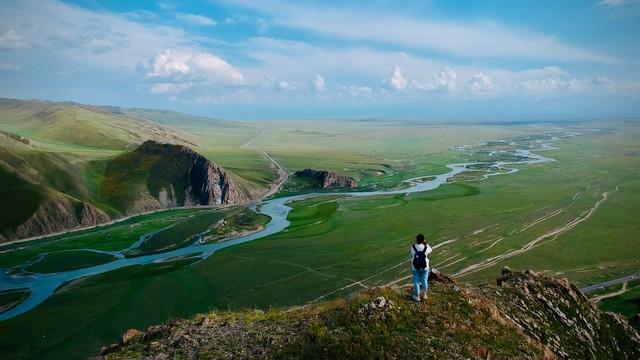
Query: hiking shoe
415,298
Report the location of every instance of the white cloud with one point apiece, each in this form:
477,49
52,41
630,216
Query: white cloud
193,64
9,67
168,88
397,80
482,84
479,39
184,69
196,19
318,83
80,37
11,40
445,80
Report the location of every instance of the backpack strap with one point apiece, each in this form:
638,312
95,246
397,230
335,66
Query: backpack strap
419,252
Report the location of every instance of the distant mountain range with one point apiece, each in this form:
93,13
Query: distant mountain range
65,165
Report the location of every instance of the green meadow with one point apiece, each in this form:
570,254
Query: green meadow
627,303
575,217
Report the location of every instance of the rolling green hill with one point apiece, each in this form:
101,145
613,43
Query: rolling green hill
65,159
82,125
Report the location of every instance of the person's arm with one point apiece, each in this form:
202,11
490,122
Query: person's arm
429,249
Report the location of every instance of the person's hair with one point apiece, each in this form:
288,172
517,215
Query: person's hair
420,239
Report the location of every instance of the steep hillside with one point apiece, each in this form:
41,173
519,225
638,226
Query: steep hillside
29,208
527,316
45,192
85,125
162,175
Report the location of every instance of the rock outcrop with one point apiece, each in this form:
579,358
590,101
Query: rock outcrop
167,175
327,179
554,311
59,213
528,316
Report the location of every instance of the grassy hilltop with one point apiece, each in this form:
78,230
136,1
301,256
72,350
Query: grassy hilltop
527,316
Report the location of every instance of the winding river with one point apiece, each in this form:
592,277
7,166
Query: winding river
42,286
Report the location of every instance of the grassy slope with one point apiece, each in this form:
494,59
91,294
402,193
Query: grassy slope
69,260
81,125
15,190
337,330
627,303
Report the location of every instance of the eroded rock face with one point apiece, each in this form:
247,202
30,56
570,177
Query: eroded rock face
55,215
167,175
556,313
328,179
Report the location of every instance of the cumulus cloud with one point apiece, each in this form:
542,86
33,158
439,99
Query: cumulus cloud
11,40
318,83
193,63
445,80
196,19
482,84
397,80
184,69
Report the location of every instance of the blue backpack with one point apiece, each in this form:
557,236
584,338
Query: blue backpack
419,258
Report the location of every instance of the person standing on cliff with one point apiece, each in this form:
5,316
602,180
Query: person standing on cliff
420,266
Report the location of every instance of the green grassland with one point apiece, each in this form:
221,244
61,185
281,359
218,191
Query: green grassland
336,246
627,303
68,260
114,237
371,151
178,235
237,222
11,298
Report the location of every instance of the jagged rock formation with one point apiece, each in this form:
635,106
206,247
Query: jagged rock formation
555,312
327,179
159,175
528,316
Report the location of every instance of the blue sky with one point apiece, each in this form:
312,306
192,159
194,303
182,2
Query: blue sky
274,59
